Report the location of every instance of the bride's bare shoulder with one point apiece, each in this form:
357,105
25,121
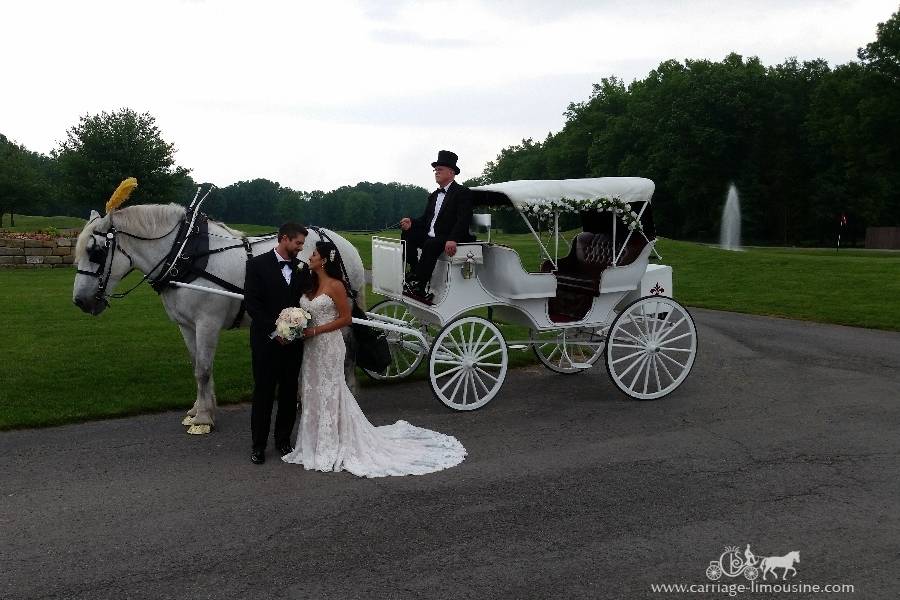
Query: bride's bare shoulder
335,288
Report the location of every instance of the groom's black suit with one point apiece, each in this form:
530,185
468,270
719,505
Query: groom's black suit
266,294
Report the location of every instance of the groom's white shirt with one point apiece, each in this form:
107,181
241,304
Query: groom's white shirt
286,270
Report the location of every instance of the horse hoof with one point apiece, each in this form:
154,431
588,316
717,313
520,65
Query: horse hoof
187,421
199,429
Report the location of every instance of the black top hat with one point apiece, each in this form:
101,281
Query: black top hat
446,159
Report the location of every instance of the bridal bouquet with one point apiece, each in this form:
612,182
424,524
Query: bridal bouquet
291,322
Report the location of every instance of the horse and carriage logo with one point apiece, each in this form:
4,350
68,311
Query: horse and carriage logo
734,563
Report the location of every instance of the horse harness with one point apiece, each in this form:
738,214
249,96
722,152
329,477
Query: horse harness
185,261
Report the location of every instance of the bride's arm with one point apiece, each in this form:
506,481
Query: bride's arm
342,302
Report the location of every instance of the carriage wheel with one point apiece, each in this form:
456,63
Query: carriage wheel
751,573
583,345
406,351
467,363
713,572
651,347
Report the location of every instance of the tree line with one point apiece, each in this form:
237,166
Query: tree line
103,149
803,142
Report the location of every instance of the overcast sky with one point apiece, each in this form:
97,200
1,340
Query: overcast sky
319,95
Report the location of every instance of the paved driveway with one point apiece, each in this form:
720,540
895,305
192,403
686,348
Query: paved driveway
785,437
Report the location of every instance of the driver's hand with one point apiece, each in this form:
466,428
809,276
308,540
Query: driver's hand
450,248
405,223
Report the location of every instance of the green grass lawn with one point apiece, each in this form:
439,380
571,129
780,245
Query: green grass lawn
60,365
849,287
25,223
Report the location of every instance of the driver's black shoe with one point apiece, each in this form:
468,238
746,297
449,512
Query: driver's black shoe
284,449
258,457
413,289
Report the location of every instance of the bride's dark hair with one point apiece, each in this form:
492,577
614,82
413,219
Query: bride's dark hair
332,266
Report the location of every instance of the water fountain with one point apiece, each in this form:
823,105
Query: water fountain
730,233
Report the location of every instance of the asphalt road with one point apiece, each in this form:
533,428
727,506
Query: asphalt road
784,437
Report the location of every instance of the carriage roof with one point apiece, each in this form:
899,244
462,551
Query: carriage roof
541,191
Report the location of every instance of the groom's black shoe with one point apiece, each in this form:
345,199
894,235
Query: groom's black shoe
258,457
284,449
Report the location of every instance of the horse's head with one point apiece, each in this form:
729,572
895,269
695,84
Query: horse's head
100,264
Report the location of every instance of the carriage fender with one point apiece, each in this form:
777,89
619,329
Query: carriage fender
656,281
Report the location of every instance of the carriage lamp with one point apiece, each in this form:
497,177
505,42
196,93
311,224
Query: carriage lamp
467,268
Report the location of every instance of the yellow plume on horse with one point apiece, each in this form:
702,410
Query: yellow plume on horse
121,194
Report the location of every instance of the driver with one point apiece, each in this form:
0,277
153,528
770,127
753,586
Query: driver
444,223
749,557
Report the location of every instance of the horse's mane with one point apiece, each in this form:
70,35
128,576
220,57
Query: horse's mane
145,220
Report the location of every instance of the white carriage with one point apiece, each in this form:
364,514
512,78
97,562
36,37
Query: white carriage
602,299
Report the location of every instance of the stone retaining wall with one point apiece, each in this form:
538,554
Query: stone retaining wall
34,254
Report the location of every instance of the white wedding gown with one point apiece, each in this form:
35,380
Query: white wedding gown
335,435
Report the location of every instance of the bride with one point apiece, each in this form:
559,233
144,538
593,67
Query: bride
334,434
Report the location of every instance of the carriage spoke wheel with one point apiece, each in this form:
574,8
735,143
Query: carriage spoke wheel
584,345
406,350
651,347
467,363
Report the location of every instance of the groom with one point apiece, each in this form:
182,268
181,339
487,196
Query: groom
274,282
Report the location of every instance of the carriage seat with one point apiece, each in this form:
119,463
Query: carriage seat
589,256
505,277
579,272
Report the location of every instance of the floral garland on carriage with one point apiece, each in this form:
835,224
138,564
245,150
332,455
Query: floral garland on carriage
546,210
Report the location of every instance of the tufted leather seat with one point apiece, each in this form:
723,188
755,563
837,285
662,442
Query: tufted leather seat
580,271
578,274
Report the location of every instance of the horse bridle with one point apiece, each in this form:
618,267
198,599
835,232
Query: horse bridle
100,256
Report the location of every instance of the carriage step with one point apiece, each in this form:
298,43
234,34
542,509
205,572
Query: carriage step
518,347
576,365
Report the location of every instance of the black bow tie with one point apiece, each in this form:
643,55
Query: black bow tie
440,191
282,263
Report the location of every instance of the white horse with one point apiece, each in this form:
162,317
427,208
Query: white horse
786,562
142,237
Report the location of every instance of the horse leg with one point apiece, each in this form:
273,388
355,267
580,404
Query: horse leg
189,335
207,340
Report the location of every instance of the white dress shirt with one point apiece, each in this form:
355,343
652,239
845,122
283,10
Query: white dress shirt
437,209
286,270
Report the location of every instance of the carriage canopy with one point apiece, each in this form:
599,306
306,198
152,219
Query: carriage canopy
529,192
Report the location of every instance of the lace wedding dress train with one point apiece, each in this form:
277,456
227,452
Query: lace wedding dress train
335,435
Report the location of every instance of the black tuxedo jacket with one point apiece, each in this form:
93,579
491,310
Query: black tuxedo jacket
455,217
266,294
